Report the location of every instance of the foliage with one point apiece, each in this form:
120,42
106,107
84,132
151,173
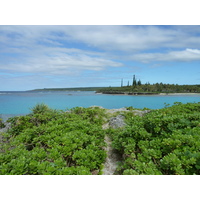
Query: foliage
165,141
134,81
151,88
40,109
2,125
54,142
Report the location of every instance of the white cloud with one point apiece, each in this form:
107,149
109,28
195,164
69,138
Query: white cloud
196,51
40,49
183,56
58,62
44,42
110,38
134,38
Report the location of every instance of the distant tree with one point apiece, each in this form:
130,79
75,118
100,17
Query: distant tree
139,82
122,82
134,81
128,84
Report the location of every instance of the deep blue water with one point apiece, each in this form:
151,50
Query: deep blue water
20,102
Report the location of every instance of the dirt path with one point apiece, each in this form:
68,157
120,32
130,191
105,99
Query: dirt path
111,160
112,157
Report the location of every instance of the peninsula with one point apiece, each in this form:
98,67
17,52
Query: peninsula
143,89
136,88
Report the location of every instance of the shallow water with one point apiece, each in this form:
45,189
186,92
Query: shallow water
16,103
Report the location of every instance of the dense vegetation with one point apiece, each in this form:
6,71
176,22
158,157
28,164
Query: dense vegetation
138,87
165,141
1,124
151,88
54,142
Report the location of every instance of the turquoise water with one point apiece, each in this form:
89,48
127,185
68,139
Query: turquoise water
20,102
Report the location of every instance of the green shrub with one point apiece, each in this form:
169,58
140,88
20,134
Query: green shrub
40,109
164,141
2,125
54,142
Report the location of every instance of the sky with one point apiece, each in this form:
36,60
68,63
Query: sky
62,56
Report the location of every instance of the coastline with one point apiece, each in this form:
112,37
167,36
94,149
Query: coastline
149,94
181,94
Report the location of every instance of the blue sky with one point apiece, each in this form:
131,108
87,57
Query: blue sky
82,56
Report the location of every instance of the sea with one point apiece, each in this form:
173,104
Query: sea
20,103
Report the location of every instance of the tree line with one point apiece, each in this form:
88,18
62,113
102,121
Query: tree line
138,87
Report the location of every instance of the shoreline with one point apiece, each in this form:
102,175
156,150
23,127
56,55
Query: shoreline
151,94
181,94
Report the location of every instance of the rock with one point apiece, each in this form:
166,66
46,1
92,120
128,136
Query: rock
3,130
96,107
117,122
6,127
140,112
117,110
146,111
105,126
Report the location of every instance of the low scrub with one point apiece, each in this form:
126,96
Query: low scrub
52,142
165,141
2,125
48,142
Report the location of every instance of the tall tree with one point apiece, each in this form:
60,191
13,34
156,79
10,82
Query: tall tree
139,82
122,82
134,81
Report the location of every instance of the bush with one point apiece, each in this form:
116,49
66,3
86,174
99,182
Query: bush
164,141
40,109
54,142
2,125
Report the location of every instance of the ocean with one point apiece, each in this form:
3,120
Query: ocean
20,103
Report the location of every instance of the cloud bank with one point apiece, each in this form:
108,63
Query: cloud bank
186,55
